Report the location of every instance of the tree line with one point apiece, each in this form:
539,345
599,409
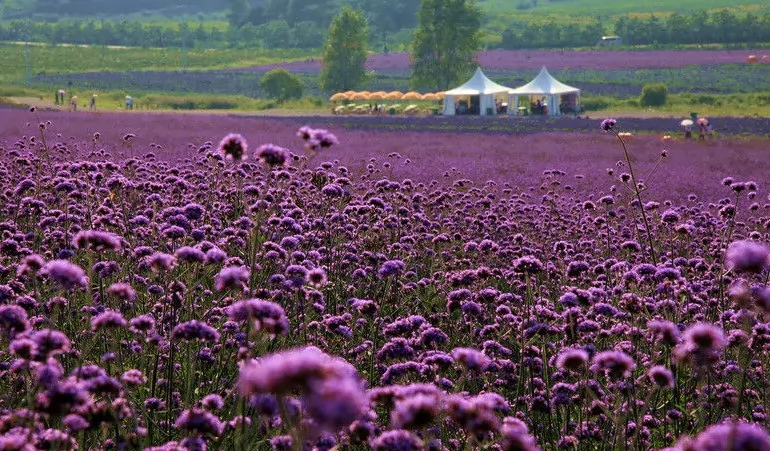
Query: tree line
126,33
699,27
383,16
276,34
299,24
52,9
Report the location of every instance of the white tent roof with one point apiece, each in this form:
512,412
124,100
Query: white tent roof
544,83
477,85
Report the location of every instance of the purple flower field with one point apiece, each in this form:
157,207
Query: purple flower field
199,282
559,59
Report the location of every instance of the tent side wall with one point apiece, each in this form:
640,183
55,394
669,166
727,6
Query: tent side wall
487,103
449,105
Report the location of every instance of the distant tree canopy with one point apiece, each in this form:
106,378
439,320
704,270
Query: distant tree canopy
112,8
386,16
273,24
281,84
700,27
128,33
345,51
318,12
445,43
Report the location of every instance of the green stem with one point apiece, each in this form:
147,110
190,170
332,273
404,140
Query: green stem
638,198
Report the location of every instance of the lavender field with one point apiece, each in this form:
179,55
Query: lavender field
307,284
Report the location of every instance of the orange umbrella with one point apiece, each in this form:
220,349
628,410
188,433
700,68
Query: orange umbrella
440,95
395,95
379,95
411,95
360,96
429,96
338,96
752,59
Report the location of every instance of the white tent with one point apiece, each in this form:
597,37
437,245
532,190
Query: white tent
553,92
479,85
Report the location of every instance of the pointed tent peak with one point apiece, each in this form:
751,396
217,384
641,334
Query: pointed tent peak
544,83
479,83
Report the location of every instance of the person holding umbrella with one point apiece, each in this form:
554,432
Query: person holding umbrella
705,128
687,126
702,124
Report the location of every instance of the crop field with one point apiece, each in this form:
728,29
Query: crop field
712,79
46,59
592,8
615,73
313,284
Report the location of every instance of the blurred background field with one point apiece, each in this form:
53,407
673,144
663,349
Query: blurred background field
210,55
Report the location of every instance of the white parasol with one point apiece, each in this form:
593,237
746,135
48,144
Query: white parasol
686,123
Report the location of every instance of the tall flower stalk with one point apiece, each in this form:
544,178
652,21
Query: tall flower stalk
608,125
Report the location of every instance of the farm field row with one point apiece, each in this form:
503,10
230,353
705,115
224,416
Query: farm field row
77,59
561,59
481,148
718,79
384,290
594,8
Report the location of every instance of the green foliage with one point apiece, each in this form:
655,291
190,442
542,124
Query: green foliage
389,16
68,59
345,52
571,9
55,9
591,103
654,95
319,12
445,43
281,84
699,27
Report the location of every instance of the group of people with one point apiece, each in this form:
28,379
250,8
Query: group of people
705,130
73,101
538,108
60,99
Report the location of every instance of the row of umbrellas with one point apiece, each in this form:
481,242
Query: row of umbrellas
699,121
382,95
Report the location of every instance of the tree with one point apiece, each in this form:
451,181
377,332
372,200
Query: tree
345,51
389,16
445,43
654,95
281,84
239,11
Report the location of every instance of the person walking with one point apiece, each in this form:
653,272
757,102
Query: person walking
702,131
92,103
74,103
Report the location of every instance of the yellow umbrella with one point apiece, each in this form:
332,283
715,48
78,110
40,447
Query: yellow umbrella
379,95
338,96
395,95
360,96
411,95
429,96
